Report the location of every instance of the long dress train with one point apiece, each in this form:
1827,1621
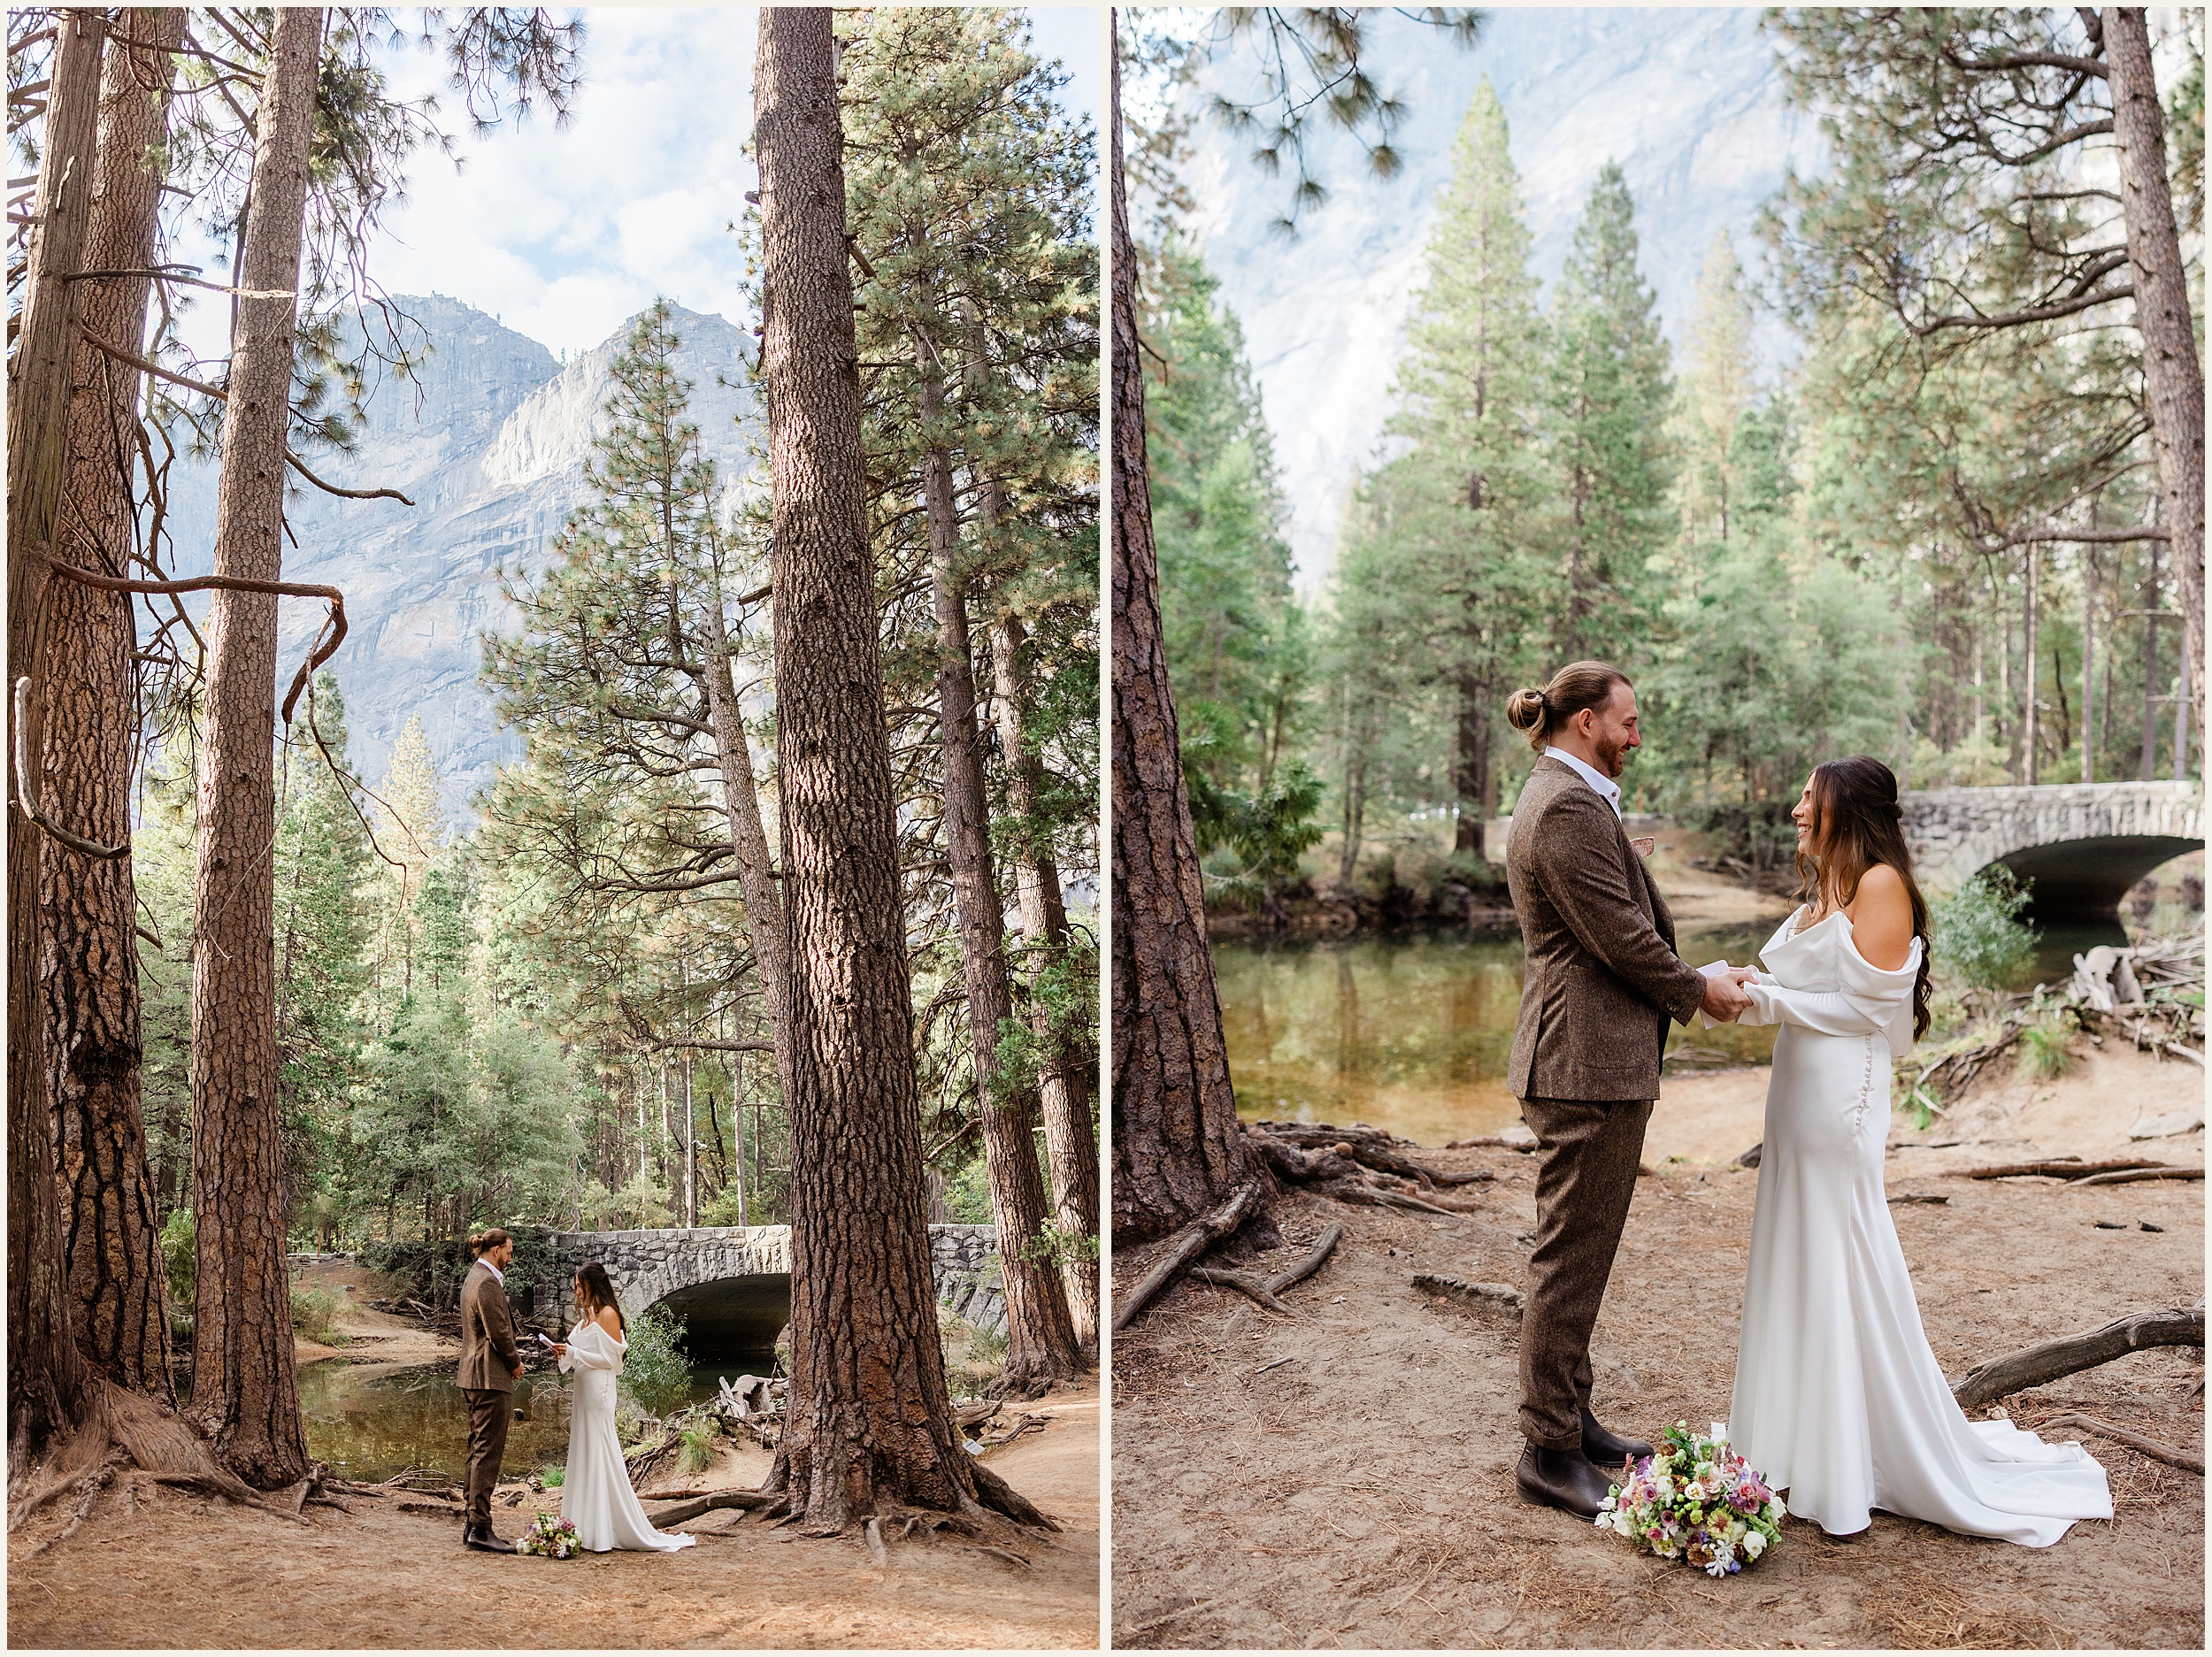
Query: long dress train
595,1493
1837,1399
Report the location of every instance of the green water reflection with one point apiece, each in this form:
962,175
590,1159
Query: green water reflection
370,1421
1410,1033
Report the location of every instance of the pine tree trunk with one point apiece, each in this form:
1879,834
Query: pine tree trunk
245,1387
1068,1084
1040,1339
749,840
111,1229
1472,764
2172,374
46,1377
1178,1150
870,1420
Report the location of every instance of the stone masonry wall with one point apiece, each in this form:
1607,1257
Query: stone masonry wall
649,1266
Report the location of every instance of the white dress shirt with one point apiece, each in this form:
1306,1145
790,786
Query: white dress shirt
494,1270
1608,789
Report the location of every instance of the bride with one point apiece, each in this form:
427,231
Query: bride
1838,1398
595,1495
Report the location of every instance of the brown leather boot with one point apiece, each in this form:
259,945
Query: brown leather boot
484,1541
1605,1449
1565,1479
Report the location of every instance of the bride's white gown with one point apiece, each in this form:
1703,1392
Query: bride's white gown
595,1493
1837,1399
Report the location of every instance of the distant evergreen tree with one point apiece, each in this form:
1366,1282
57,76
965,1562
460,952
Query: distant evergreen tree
1609,401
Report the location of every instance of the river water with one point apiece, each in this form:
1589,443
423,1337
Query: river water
370,1421
1412,1031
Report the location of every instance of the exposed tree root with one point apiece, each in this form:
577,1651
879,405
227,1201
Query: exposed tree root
123,1428
1186,1245
751,1500
1266,1289
1370,1147
2052,1167
2048,1361
1001,1497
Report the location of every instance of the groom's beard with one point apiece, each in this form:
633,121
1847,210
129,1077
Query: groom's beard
1612,755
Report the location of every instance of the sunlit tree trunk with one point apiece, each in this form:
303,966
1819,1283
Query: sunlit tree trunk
245,1386
870,1420
110,1225
46,1376
1178,1150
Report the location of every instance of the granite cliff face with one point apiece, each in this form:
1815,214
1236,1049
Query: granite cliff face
1689,102
489,441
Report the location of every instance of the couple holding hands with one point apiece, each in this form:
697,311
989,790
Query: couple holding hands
1838,1399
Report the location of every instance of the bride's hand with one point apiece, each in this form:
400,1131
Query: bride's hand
560,1349
1744,975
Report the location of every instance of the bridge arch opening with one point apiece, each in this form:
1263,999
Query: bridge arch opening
2077,884
731,1320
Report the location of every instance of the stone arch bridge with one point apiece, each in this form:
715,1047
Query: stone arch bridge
2083,844
731,1284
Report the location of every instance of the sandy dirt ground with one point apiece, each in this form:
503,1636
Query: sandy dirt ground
1345,1478
156,1567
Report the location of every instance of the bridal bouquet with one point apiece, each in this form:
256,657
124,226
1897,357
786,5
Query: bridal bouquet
1696,1499
549,1537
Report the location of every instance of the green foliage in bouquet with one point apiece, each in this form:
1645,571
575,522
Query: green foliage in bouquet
550,1536
1696,1498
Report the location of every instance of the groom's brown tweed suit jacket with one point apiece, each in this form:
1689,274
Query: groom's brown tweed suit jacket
487,1334
1601,979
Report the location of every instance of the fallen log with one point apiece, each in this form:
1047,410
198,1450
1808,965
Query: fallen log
2129,1176
707,1503
1484,1297
2050,1167
1266,1289
1184,1247
2048,1361
2173,1455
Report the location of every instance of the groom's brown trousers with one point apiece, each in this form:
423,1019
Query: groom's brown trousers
1584,1183
490,1412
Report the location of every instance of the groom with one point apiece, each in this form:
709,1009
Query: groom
489,1368
1601,981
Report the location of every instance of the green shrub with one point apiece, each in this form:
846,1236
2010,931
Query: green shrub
968,1194
553,1478
656,1371
2044,1053
178,1239
315,1313
1979,937
696,1436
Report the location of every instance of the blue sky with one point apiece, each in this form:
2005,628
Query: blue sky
563,235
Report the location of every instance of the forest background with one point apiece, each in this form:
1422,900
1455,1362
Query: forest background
1802,501
550,1003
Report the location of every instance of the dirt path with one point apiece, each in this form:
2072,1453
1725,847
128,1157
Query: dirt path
373,1338
154,1567
1361,1493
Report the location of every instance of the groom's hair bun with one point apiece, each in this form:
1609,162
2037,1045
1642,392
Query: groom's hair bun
485,1241
1576,686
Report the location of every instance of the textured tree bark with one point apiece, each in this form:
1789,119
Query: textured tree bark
1472,762
1178,1154
1041,1338
2172,374
1069,1082
46,1376
748,841
109,1231
870,1420
245,1386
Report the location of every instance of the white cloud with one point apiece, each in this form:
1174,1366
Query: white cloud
565,234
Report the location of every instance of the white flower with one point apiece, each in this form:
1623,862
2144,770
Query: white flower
1754,1544
1780,1512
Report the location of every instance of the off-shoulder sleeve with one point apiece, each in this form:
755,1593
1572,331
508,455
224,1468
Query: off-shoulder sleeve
1868,1000
588,1348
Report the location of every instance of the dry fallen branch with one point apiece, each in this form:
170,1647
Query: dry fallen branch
1184,1247
751,1500
2173,1455
2048,1361
2054,1167
2129,1176
1266,1289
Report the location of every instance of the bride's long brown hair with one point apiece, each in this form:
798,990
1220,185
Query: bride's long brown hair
595,1290
1856,823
